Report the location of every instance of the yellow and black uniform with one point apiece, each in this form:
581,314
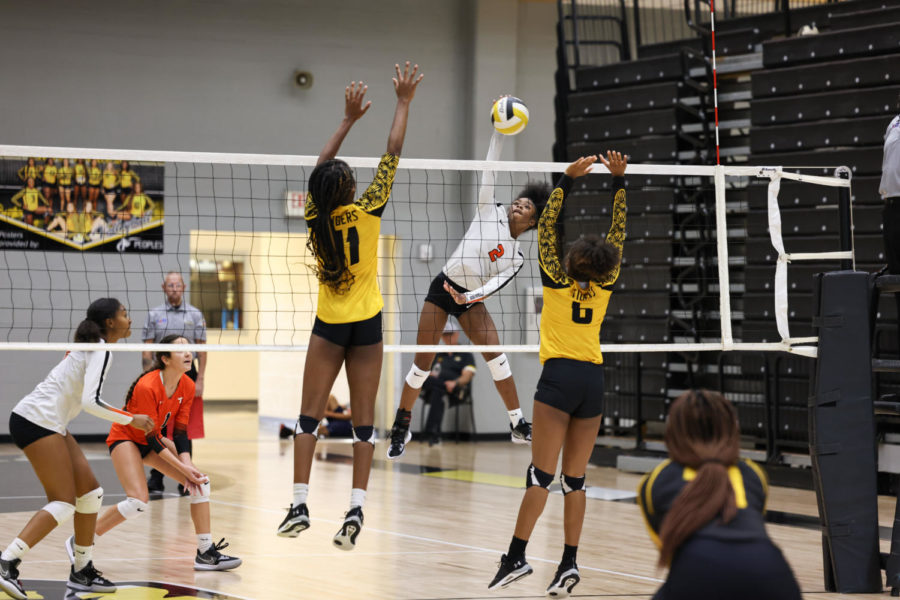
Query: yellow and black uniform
734,560
49,174
95,176
31,199
80,173
139,204
110,181
30,171
127,179
572,377
65,175
354,318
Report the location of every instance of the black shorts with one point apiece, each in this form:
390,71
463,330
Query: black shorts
438,296
94,187
144,449
66,188
24,432
572,386
356,333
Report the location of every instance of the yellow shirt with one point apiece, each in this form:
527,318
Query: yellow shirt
140,203
128,178
65,175
359,225
80,172
31,198
110,179
95,176
29,171
50,173
572,315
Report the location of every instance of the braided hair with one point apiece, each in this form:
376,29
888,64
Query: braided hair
157,365
331,184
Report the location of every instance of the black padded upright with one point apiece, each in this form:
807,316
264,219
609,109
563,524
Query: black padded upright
842,434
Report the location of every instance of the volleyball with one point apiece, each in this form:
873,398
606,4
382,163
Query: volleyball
509,115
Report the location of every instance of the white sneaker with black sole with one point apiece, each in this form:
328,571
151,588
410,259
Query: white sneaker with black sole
345,539
509,572
566,578
70,548
297,520
9,579
399,439
89,579
213,560
521,433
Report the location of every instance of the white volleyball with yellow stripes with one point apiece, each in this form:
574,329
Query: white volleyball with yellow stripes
509,115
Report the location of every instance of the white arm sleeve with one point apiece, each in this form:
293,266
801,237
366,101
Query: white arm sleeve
496,282
486,192
94,377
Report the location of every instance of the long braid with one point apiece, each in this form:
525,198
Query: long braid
331,184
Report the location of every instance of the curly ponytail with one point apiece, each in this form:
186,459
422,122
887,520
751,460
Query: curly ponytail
93,328
591,258
331,184
156,366
701,433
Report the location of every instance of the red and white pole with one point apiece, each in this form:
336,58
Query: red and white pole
712,22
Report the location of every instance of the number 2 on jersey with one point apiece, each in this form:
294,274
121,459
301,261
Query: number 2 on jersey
353,242
580,315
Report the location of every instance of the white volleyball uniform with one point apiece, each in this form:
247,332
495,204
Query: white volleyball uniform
488,257
75,384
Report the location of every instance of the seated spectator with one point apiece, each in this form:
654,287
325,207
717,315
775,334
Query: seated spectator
29,199
704,510
68,222
451,373
337,420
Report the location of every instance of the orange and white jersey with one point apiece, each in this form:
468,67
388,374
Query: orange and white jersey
75,384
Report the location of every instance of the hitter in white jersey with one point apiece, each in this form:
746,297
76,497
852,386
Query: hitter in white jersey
487,258
38,426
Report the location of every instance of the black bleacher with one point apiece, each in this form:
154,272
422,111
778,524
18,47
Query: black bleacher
836,45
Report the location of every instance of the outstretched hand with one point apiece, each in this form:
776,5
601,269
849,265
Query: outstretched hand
353,100
615,162
405,82
580,167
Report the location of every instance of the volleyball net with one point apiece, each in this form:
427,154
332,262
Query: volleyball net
701,271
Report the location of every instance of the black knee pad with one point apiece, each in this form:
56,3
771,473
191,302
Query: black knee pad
537,477
306,425
571,484
363,433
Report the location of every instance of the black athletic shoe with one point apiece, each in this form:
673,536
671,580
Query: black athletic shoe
213,560
155,483
183,491
399,438
345,538
89,579
565,579
510,571
296,521
9,579
521,433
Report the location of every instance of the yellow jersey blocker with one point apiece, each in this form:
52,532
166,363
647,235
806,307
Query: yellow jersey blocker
572,377
359,225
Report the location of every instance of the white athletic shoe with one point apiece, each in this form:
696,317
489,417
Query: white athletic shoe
399,438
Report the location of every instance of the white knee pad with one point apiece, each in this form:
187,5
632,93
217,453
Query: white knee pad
416,377
204,494
89,504
131,507
61,511
500,368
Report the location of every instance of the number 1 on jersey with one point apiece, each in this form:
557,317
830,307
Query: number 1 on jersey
582,316
353,241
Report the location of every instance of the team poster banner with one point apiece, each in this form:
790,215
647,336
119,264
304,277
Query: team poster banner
81,205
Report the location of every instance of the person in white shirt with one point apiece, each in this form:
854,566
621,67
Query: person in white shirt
890,191
38,426
487,258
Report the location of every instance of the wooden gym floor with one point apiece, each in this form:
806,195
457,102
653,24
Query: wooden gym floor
435,526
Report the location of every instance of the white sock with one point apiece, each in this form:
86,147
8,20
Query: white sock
82,556
204,541
515,415
357,497
301,490
16,549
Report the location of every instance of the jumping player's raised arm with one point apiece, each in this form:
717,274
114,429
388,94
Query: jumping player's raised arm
486,191
616,163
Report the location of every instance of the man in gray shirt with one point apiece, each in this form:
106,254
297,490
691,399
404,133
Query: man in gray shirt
177,316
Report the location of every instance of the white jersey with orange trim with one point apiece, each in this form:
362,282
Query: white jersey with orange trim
488,257
75,384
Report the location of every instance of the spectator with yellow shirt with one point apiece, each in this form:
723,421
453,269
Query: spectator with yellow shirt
49,175
95,178
80,182
65,174
31,199
29,171
127,179
110,182
135,205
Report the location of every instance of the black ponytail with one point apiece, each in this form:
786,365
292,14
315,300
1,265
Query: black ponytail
592,258
157,364
93,328
331,184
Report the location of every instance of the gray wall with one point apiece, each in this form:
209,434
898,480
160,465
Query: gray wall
217,76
